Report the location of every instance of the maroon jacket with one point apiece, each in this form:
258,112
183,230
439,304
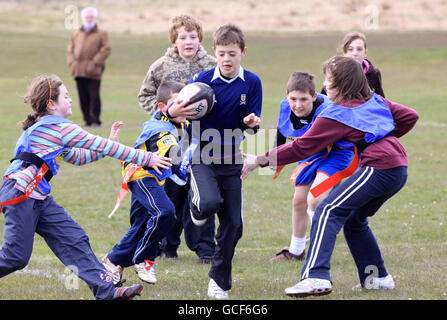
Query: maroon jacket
385,153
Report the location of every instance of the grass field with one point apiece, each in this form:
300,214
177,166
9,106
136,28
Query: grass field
411,227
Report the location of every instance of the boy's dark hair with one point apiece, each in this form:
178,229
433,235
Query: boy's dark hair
301,81
229,34
166,89
347,77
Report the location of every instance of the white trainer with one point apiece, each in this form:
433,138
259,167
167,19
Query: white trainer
310,287
371,283
216,292
197,222
115,271
146,271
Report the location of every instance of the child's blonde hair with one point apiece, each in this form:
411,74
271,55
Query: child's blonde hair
229,34
186,21
43,90
351,36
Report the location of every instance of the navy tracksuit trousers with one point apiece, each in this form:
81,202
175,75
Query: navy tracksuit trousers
349,206
152,215
217,188
64,236
198,239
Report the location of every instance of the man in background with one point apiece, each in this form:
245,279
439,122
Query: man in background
87,51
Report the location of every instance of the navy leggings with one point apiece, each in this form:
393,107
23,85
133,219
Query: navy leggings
152,215
65,237
349,206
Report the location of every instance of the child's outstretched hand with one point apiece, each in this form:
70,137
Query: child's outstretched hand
252,120
115,131
159,162
250,164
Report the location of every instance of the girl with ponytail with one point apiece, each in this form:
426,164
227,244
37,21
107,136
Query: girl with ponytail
48,139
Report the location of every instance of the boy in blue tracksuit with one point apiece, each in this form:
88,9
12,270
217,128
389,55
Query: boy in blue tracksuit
216,185
152,213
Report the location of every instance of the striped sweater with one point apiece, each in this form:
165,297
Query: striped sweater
81,148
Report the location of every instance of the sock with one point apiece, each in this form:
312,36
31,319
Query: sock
310,213
297,245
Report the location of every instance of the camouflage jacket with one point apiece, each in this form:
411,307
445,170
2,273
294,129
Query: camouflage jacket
171,67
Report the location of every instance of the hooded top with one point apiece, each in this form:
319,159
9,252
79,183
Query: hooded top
373,76
171,67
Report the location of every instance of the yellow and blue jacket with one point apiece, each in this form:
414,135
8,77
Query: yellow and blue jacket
159,134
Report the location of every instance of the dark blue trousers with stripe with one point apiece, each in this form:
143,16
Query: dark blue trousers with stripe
349,206
152,215
64,236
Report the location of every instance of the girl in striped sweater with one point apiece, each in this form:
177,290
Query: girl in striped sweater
48,139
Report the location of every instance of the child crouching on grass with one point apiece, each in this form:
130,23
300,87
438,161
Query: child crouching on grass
152,213
49,138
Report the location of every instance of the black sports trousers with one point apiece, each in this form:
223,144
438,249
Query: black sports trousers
198,239
217,188
89,99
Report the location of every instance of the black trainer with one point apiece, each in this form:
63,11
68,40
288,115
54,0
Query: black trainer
286,255
127,293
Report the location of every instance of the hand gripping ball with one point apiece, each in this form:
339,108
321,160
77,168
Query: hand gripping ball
200,95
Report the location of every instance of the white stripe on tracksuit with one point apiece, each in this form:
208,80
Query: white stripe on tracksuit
151,200
325,215
196,195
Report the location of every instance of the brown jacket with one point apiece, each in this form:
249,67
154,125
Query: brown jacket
87,53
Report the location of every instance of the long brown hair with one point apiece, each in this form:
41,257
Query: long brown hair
347,78
349,38
39,97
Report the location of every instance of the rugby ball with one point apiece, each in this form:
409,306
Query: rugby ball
200,95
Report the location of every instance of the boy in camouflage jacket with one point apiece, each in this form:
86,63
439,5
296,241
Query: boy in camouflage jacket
186,58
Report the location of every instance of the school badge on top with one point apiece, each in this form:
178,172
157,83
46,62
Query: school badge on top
243,99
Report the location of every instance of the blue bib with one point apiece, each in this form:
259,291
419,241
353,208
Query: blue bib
24,145
285,126
373,117
153,127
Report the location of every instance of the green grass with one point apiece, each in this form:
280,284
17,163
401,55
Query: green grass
411,227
